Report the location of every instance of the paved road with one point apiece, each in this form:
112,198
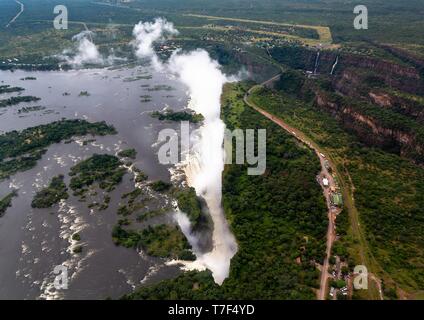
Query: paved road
19,13
332,211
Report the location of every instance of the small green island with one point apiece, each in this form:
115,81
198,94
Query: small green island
16,100
9,89
31,109
20,150
160,186
145,98
128,153
159,241
171,115
76,237
6,202
52,194
104,169
161,87
84,94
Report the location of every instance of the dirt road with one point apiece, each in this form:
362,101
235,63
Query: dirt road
19,13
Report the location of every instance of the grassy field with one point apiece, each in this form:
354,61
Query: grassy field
324,33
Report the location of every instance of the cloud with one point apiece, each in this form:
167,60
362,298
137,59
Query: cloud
86,52
147,33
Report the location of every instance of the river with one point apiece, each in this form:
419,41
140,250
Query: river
34,241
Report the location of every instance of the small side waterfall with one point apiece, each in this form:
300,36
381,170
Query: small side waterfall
316,63
334,65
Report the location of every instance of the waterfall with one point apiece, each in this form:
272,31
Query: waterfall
316,63
334,65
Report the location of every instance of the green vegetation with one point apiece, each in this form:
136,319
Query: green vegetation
388,193
77,249
104,169
128,153
165,241
140,176
84,94
52,194
132,205
125,238
76,237
160,186
178,116
338,284
31,109
6,202
385,188
145,98
279,220
16,100
132,195
159,241
20,150
189,203
161,87
189,286
151,213
9,89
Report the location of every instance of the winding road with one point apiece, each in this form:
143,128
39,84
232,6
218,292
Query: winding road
332,211
19,13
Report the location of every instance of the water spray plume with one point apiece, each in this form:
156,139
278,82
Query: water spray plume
204,80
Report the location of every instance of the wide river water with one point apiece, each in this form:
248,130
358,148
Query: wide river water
34,241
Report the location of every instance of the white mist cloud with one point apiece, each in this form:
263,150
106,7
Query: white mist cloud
86,52
204,79
146,34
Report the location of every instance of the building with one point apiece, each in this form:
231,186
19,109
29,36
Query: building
325,182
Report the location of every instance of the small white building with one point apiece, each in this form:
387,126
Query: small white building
325,182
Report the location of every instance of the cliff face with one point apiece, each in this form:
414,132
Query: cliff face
371,131
380,101
257,70
402,77
405,106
